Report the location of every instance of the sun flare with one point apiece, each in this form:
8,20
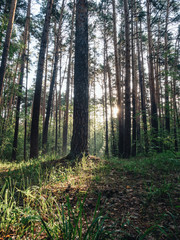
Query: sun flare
115,111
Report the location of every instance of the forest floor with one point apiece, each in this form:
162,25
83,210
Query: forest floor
114,198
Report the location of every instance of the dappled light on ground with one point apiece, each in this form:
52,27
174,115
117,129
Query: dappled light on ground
133,199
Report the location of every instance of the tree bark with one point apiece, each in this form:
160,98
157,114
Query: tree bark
25,122
142,91
7,44
127,136
119,97
66,114
23,58
79,142
167,113
54,76
105,95
134,82
154,119
37,96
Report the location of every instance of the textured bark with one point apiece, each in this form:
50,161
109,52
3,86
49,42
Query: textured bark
13,93
167,112
142,91
174,101
119,97
79,143
113,142
66,114
54,76
7,44
25,122
154,119
127,136
37,96
158,82
134,82
94,102
105,96
23,59
45,83
56,118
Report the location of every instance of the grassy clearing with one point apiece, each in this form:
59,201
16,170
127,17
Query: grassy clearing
107,199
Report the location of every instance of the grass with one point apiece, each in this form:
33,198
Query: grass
107,199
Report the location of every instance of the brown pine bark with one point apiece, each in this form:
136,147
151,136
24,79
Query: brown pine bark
94,100
105,96
66,114
167,112
45,83
23,59
119,97
134,82
142,91
54,76
113,142
127,135
79,142
7,44
25,122
154,119
34,145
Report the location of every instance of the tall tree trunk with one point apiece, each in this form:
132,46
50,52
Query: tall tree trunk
174,100
23,58
54,76
119,98
25,122
79,142
127,136
66,114
94,102
105,95
45,83
134,82
13,87
56,119
154,119
37,96
113,142
7,44
142,91
167,113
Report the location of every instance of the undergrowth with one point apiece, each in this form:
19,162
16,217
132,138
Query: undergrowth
52,202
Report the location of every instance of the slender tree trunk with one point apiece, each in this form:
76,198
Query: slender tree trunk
127,136
25,122
66,114
54,76
113,144
23,58
142,91
119,98
13,87
45,83
154,120
167,113
174,101
94,102
7,44
37,96
79,142
134,82
56,118
105,94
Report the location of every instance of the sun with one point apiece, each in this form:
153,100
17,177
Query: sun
115,111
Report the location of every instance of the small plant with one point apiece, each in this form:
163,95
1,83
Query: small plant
72,223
